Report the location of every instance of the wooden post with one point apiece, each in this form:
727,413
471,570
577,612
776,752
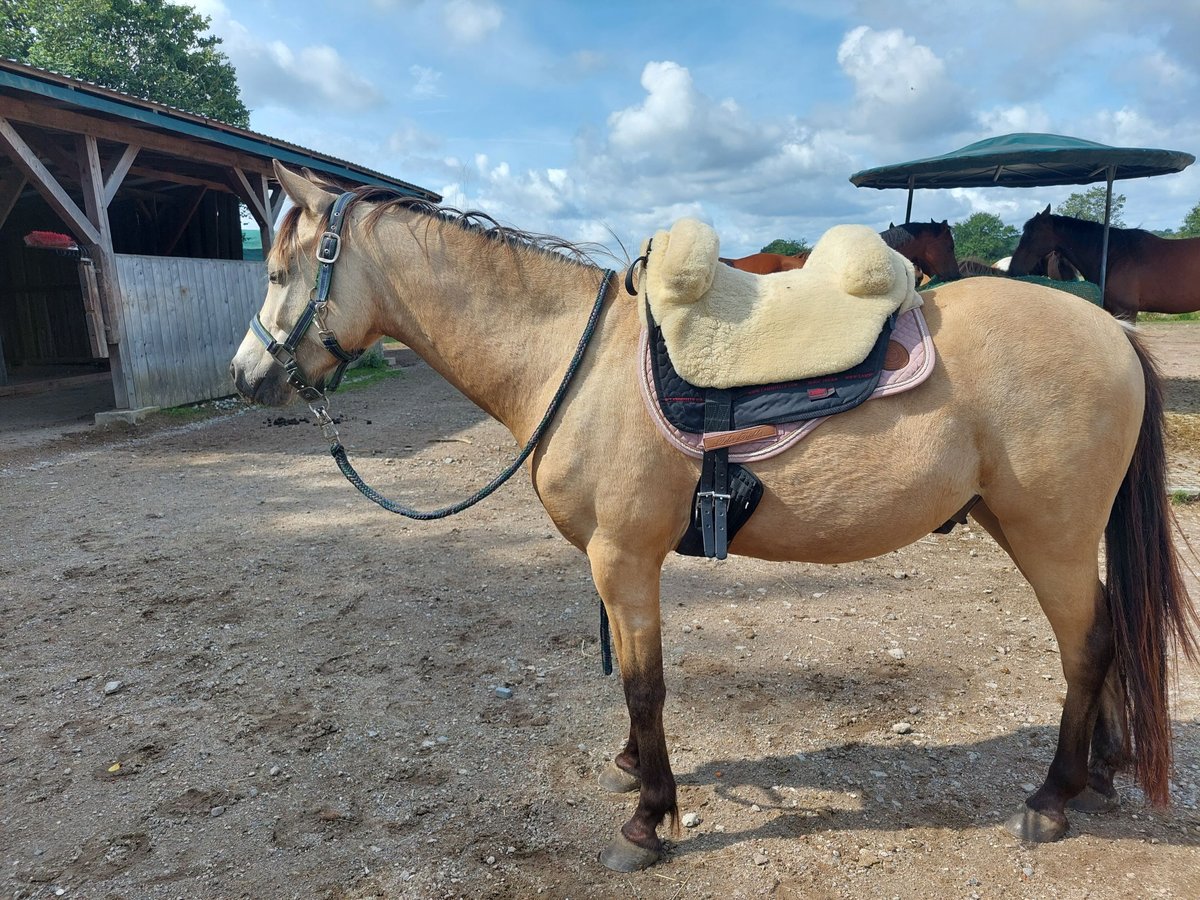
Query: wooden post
254,191
91,178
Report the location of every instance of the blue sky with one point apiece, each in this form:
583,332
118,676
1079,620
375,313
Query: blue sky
598,121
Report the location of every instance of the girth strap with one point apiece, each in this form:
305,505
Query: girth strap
712,497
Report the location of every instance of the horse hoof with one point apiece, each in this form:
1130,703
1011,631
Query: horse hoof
1035,827
1090,800
623,855
616,780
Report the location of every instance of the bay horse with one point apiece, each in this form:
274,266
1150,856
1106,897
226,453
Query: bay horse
1055,466
1146,273
929,246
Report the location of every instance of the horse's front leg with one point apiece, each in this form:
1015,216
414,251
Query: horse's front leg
629,586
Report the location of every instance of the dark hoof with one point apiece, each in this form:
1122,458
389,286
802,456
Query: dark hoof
616,780
1035,827
1090,800
623,855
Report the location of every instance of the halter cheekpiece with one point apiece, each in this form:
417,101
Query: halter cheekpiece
329,248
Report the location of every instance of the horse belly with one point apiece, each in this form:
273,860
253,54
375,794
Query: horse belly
878,480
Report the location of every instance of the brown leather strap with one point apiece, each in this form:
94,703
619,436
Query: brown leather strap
715,440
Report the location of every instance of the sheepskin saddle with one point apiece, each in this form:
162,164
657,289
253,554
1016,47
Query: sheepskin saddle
725,328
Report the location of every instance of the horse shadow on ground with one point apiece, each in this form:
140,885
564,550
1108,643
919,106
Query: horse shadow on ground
888,788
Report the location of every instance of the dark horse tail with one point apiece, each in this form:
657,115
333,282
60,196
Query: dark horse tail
1151,612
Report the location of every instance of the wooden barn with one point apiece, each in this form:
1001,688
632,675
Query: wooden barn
155,292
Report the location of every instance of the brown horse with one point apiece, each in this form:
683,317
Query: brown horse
767,263
1146,273
1054,469
929,246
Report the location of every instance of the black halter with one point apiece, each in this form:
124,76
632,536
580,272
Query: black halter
284,352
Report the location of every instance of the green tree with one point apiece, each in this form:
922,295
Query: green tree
984,236
787,248
1191,224
148,48
1089,205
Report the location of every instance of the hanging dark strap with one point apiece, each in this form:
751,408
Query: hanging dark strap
339,452
713,495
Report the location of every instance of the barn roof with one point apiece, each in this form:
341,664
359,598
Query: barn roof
23,87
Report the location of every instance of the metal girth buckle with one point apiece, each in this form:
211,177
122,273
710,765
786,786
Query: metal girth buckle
330,248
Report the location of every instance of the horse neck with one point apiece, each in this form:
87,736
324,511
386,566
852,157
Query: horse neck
1083,247
499,322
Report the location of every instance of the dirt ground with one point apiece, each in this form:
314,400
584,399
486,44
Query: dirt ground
223,674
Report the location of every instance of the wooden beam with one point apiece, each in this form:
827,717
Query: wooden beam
91,179
277,198
108,130
26,160
254,199
43,144
11,186
159,175
115,174
92,182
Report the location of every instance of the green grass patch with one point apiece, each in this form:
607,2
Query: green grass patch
361,377
1169,317
1184,496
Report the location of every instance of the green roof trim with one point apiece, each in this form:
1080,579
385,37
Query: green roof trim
226,135
1025,160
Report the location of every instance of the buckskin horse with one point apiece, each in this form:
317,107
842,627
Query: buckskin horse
1057,464
927,245
1146,273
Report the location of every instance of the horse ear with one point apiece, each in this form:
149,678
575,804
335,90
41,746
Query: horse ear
891,225
303,192
1046,211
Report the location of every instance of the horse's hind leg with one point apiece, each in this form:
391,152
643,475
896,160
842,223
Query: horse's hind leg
629,587
1062,570
1111,751
1110,742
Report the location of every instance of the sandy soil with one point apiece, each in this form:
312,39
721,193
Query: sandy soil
306,703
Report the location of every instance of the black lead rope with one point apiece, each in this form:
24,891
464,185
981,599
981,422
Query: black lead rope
339,452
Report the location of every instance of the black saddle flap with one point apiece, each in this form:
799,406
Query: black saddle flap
771,404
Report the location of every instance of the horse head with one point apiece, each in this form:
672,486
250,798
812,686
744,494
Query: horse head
300,336
1038,240
938,256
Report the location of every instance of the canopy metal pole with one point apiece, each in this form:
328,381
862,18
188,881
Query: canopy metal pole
912,180
1112,171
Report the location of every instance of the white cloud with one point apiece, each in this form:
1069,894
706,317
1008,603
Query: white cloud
272,72
1011,119
901,88
470,21
426,82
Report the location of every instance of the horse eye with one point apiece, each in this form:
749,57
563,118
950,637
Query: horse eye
278,276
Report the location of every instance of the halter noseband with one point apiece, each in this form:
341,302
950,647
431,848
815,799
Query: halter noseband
329,248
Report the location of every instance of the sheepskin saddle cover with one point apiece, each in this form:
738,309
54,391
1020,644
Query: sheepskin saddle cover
725,328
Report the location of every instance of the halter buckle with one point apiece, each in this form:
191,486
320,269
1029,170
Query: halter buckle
330,248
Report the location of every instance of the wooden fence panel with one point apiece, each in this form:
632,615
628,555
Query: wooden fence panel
181,322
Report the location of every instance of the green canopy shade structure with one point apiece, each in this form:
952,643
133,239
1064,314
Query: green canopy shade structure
1027,160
